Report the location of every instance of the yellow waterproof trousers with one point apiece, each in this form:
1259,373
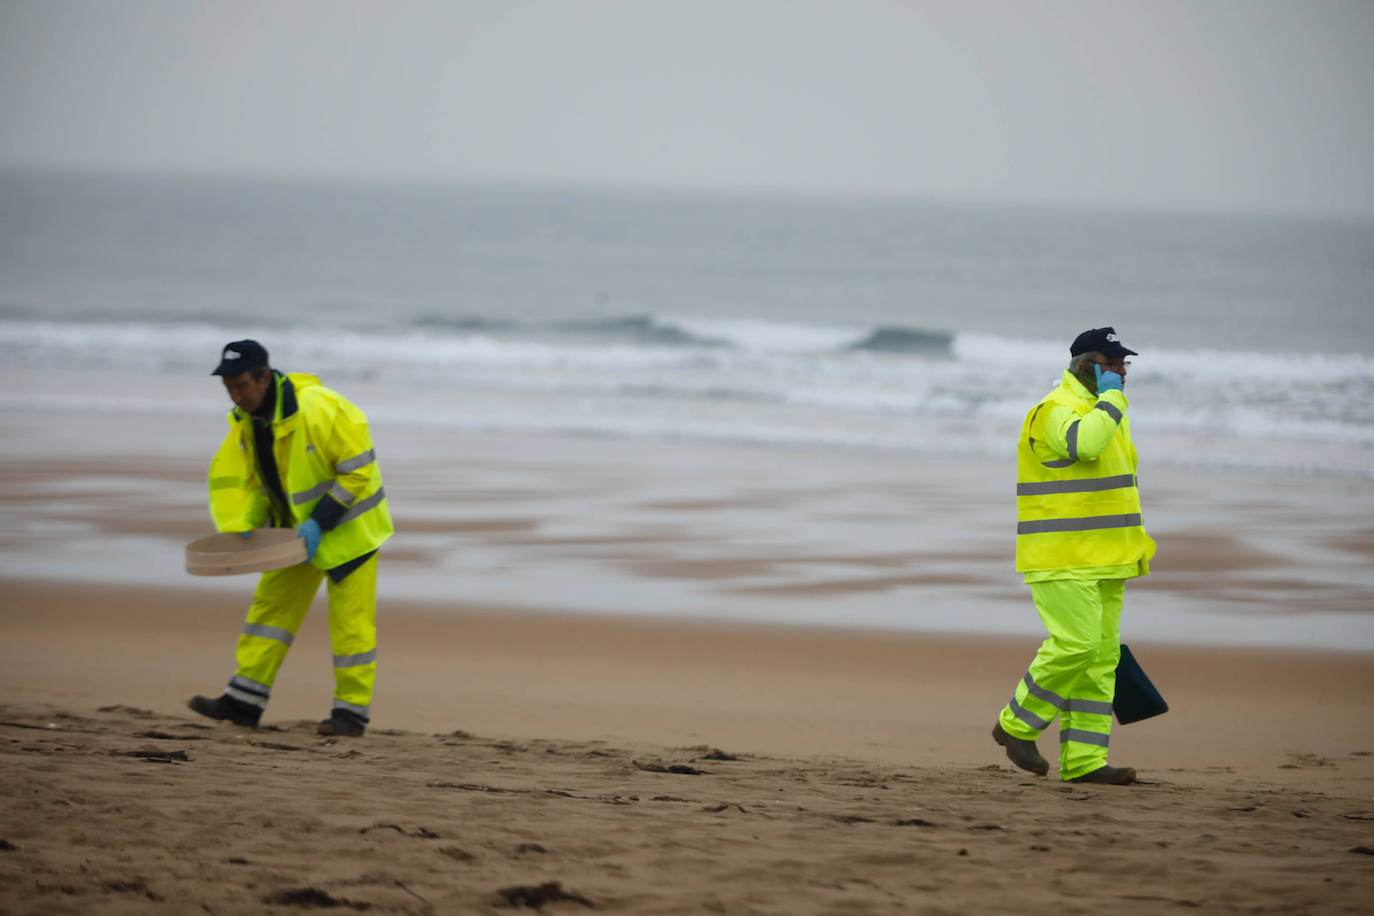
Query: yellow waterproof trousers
1073,676
279,607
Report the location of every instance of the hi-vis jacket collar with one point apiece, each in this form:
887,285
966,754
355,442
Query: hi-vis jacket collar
1076,386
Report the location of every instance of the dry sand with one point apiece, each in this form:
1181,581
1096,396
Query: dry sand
827,771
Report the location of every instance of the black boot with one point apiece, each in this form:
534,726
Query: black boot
345,723
1108,776
1021,752
226,707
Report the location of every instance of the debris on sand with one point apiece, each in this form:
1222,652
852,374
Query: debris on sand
679,768
534,896
312,897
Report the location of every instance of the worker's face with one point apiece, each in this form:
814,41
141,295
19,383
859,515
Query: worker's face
247,392
1117,364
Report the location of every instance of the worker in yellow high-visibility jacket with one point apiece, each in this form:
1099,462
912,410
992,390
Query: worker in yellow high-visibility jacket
1079,537
299,455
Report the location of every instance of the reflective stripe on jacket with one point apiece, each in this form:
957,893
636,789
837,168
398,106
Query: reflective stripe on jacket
322,446
1077,500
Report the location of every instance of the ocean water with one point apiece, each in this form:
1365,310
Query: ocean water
839,323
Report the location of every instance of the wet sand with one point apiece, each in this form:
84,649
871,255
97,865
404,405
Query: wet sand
597,681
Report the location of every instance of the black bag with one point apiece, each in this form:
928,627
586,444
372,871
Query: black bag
1136,698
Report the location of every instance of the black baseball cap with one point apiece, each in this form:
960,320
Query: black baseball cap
1100,340
240,356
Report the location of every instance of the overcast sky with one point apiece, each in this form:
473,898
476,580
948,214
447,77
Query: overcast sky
1218,104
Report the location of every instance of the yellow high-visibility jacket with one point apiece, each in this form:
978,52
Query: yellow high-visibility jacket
1077,495
322,446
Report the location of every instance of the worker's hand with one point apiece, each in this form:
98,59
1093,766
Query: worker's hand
245,534
1107,381
312,534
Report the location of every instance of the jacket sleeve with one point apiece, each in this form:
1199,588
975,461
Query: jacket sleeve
1083,438
348,447
238,501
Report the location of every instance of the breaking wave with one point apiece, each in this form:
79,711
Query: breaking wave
782,382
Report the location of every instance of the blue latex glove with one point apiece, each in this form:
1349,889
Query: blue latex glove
312,534
1107,381
245,534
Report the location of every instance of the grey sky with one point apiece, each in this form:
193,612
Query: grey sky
1231,104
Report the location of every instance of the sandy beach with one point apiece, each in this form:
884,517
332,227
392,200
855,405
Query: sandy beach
644,766
667,678
690,347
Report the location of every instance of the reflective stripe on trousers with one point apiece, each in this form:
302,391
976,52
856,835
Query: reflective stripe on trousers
249,691
280,603
1073,675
